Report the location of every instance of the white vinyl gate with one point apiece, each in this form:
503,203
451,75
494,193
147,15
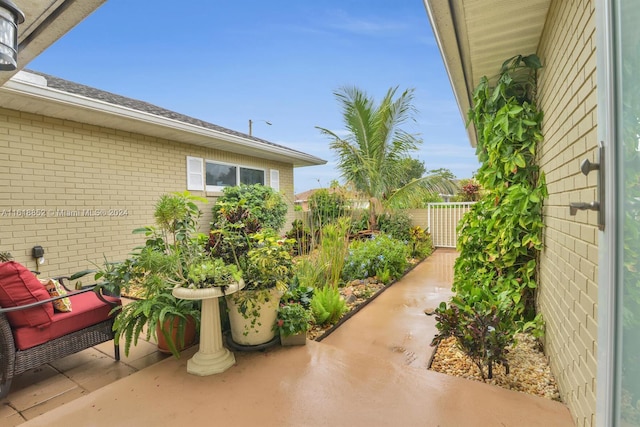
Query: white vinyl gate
443,219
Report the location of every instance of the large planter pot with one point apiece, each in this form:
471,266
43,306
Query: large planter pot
249,329
171,326
211,357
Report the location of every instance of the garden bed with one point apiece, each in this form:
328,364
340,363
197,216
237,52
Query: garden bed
529,371
357,294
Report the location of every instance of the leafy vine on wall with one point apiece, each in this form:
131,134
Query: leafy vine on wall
500,238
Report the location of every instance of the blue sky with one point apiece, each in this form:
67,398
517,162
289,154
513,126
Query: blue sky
279,61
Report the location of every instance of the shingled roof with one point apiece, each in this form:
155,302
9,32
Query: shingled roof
112,98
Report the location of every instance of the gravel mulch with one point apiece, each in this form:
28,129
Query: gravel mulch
529,371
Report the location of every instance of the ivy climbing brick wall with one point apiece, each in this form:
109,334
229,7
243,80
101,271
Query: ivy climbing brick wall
89,187
569,261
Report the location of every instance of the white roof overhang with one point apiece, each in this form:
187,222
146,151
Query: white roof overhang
29,93
476,36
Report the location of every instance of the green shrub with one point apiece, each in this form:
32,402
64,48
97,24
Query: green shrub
379,255
481,330
299,294
309,272
421,242
264,204
327,306
239,213
359,222
326,207
396,224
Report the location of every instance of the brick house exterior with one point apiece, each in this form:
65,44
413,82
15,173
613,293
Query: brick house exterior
78,179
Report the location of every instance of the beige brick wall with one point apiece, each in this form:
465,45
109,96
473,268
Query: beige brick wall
56,176
569,261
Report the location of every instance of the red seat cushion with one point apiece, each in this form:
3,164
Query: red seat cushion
87,310
19,286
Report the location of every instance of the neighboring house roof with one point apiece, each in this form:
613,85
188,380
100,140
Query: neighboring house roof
476,37
40,93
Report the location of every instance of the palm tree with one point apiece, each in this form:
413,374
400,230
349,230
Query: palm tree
373,154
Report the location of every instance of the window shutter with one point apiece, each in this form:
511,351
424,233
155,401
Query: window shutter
274,179
195,178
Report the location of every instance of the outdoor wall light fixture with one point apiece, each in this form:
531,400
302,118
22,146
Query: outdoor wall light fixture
37,252
10,17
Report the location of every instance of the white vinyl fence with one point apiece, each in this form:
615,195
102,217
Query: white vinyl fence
443,219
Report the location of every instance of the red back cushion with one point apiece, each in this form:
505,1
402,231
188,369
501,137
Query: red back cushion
19,286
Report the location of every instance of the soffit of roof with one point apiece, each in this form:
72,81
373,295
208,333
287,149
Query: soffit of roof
45,22
476,36
28,93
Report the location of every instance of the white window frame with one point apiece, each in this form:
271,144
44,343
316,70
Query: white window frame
195,174
219,188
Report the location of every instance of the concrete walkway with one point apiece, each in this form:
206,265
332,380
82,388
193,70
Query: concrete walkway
369,372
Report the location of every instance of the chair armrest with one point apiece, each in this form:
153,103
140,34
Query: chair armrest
48,300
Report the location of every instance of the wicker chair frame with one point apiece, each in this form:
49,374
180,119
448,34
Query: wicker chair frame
13,362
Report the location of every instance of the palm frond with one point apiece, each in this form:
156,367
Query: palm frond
416,191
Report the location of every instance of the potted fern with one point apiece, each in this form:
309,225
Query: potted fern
173,257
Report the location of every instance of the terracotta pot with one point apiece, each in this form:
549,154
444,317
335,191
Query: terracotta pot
172,325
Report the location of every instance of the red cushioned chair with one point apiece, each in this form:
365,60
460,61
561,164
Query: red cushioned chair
32,333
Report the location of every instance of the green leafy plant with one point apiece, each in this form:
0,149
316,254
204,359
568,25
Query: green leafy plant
208,272
326,206
267,265
334,245
299,294
264,203
396,224
379,254
293,318
327,306
157,307
480,332
420,241
499,239
302,237
173,255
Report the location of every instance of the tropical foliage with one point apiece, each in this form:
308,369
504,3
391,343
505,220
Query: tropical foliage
373,155
499,239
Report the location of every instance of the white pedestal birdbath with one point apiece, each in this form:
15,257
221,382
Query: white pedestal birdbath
212,357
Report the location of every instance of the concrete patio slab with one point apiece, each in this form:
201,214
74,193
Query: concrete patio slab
355,377
312,385
394,325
